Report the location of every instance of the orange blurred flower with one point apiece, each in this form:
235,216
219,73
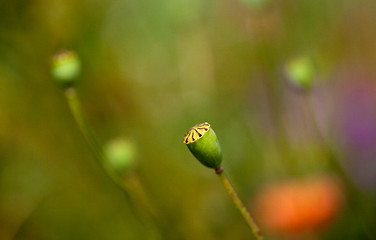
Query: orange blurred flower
295,207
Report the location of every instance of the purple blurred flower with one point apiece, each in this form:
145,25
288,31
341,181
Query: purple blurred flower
359,117
358,121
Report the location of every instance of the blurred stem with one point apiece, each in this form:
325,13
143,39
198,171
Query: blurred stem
130,184
355,195
275,98
324,145
239,205
268,54
25,218
76,109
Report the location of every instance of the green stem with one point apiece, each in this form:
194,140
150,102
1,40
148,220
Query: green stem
76,109
239,205
79,116
130,185
268,59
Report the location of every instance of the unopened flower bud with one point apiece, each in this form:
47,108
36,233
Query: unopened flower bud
301,71
66,66
120,155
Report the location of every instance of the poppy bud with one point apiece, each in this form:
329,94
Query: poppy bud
203,144
120,155
300,71
65,68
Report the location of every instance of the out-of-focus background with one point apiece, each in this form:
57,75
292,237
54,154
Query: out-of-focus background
304,162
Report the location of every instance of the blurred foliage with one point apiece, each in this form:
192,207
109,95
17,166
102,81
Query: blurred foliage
150,71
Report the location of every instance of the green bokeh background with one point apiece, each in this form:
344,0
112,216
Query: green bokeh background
150,71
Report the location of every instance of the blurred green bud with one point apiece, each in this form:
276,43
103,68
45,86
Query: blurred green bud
65,67
301,71
120,155
203,144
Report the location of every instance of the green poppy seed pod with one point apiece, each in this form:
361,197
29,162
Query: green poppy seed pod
120,155
203,144
66,66
300,71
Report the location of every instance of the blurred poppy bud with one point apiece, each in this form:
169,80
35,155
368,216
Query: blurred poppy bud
65,67
203,144
120,155
300,71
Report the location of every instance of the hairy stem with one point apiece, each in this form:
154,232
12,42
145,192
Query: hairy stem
239,205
